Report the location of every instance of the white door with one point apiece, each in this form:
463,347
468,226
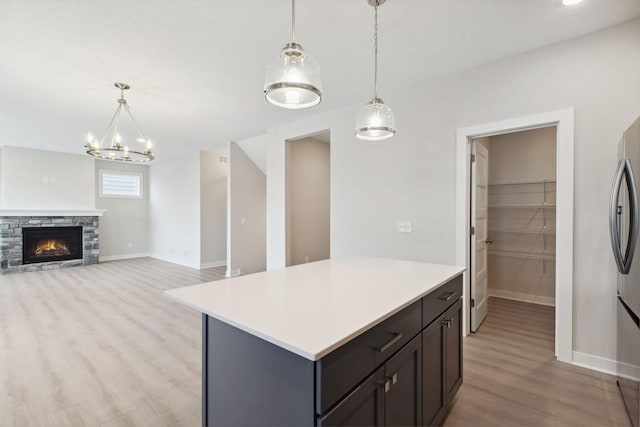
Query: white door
479,187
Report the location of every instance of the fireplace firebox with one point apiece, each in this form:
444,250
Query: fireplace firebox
45,244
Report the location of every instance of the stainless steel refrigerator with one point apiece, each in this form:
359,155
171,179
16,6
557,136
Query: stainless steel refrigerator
624,223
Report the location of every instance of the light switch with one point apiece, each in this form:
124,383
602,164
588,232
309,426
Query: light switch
45,179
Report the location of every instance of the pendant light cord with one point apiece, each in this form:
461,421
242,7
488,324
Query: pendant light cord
375,50
293,21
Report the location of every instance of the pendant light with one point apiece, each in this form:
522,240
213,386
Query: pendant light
292,79
374,121
117,149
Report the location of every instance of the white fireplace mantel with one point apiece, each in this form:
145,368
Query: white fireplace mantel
51,212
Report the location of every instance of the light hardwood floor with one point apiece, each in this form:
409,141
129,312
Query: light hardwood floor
511,377
100,345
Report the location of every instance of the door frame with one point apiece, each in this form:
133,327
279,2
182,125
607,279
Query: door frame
564,122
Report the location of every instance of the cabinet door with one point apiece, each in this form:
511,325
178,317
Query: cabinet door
433,371
453,350
403,390
362,407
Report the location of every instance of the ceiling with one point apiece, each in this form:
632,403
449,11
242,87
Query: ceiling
196,68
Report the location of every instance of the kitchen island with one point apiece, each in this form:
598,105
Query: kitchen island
343,341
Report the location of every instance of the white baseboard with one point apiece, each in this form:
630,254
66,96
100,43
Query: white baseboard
173,260
595,363
127,256
517,296
213,264
233,273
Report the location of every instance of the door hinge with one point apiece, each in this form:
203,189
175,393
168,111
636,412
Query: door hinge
473,158
473,302
473,231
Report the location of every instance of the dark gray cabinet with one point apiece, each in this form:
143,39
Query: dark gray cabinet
403,386
441,363
392,396
365,406
453,353
403,371
433,368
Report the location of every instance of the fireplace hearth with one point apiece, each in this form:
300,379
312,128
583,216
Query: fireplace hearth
45,244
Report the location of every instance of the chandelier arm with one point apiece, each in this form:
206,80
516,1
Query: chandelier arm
115,115
135,123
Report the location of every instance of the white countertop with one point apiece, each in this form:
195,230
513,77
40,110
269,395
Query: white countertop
312,309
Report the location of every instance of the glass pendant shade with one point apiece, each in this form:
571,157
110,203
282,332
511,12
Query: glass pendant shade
293,79
375,121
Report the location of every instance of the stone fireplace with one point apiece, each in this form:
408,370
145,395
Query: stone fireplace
45,240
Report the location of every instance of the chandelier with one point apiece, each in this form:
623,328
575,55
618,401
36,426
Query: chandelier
375,121
292,78
117,150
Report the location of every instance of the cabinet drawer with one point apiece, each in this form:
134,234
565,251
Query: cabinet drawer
436,302
342,369
364,406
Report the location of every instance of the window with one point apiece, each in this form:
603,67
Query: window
120,184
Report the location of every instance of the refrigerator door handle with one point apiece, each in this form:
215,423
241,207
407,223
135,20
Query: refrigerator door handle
634,219
623,262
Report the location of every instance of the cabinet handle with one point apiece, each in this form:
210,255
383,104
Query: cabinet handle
447,296
446,322
391,342
386,384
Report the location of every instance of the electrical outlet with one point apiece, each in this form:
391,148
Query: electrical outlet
243,220
129,244
404,226
45,179
54,179
186,252
171,251
306,259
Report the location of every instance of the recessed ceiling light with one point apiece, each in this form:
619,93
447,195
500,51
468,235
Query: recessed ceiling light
570,2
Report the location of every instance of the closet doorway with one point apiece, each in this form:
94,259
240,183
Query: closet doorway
513,221
308,210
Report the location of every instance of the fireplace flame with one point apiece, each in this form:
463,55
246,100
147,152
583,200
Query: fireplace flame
51,247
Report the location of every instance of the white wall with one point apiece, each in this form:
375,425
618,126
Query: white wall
256,149
1,181
412,176
308,201
522,156
213,209
174,208
246,251
37,179
124,227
